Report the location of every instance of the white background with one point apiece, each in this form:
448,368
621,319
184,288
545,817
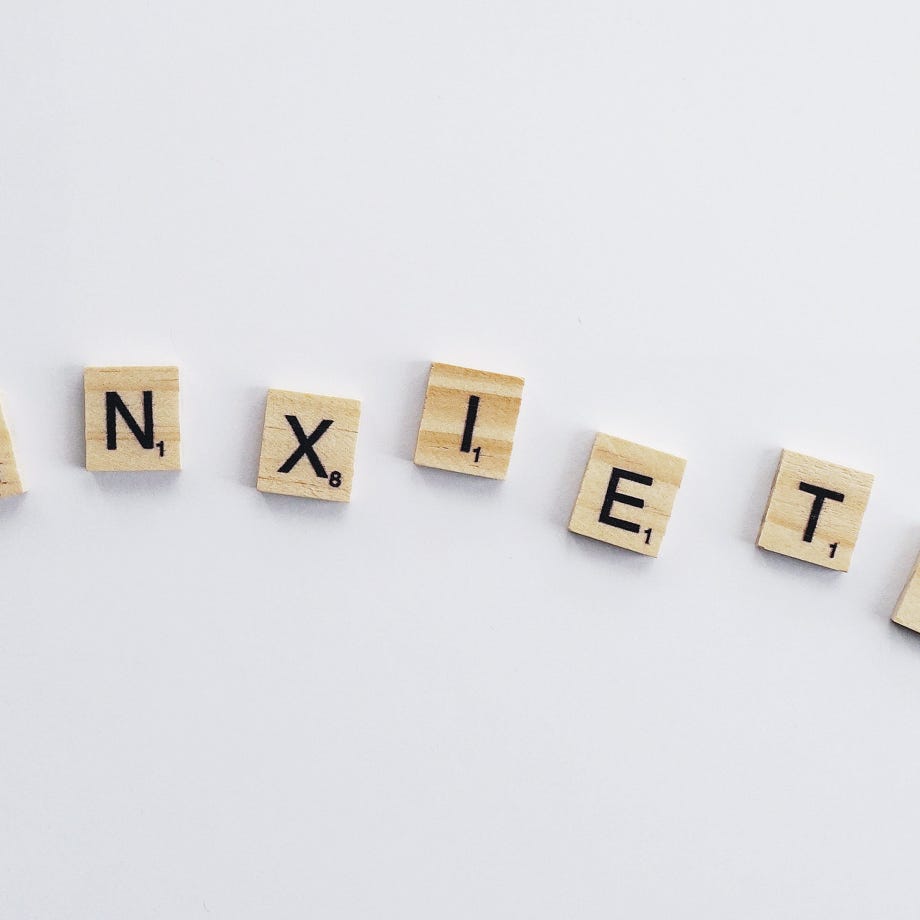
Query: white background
690,225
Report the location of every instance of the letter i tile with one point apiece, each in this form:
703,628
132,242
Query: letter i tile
469,421
627,495
815,511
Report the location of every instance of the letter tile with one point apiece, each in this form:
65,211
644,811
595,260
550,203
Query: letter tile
627,495
469,420
132,418
308,445
815,511
10,483
907,611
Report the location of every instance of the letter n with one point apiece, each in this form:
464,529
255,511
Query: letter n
115,404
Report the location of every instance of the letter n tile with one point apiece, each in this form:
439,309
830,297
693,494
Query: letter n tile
627,495
132,418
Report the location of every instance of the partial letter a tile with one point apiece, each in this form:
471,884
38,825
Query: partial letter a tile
907,611
10,483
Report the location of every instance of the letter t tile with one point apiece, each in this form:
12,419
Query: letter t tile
815,511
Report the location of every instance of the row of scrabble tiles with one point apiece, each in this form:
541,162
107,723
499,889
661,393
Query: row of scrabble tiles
627,494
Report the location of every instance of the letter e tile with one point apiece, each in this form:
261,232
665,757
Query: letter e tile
627,495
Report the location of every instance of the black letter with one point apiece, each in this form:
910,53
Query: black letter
613,496
816,506
472,408
305,448
114,403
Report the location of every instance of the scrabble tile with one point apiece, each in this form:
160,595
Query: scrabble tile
627,494
132,418
815,510
10,483
907,611
468,421
308,445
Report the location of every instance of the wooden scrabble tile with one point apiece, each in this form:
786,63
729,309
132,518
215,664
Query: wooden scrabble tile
627,494
308,445
132,418
468,421
907,611
815,511
10,483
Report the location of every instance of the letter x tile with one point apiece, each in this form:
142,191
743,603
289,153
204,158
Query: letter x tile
308,445
627,494
815,511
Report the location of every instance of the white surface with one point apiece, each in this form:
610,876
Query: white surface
692,225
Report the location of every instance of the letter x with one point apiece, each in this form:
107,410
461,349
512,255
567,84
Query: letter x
305,446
